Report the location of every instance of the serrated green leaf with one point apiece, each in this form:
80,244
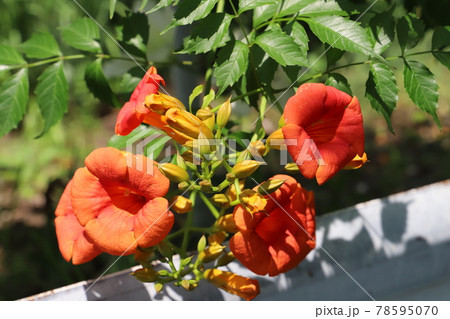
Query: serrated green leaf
264,13
382,28
208,98
41,45
10,56
52,95
98,85
209,34
195,92
281,47
339,82
422,87
81,34
322,8
13,101
298,34
161,4
245,5
409,31
293,6
265,68
342,34
382,90
112,7
231,64
190,11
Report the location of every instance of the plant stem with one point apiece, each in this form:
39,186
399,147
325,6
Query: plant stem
210,206
188,225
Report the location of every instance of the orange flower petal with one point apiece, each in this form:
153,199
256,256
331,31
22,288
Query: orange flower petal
73,241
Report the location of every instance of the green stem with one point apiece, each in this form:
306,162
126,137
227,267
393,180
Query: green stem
192,229
210,206
188,225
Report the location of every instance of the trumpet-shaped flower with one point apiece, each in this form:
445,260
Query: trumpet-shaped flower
277,239
117,200
332,120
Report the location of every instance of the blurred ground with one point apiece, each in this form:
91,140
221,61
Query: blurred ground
33,172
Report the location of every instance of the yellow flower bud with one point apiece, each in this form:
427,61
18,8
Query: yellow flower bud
205,186
184,126
258,146
160,103
275,140
180,204
252,201
201,145
211,253
245,168
291,167
207,117
225,259
226,223
231,191
220,200
223,114
173,172
281,122
244,287
270,186
217,238
357,162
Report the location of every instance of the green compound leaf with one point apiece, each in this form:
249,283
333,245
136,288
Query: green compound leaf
13,101
245,5
282,48
41,45
231,64
190,11
10,56
322,8
422,87
52,95
382,90
342,34
98,85
339,82
382,31
210,34
81,34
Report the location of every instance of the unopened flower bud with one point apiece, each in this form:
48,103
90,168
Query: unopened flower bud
180,204
231,191
146,275
245,288
205,186
173,172
211,253
158,287
281,122
217,238
223,114
270,186
180,162
225,259
183,186
259,147
291,167
275,140
357,162
220,200
207,117
226,223
245,168
201,144
230,177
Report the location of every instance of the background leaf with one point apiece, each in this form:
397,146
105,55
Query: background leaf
231,64
209,34
382,90
81,34
112,7
441,40
52,95
298,34
422,87
190,11
98,84
159,5
322,8
339,82
382,28
133,33
10,56
342,34
281,47
41,45
333,55
409,31
13,101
